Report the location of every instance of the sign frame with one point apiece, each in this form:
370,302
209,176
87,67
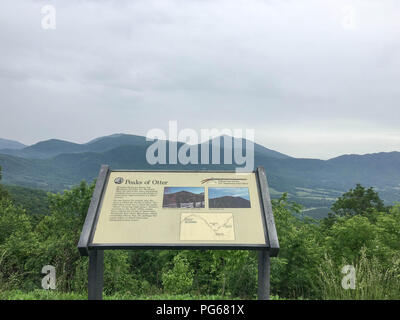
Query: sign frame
95,251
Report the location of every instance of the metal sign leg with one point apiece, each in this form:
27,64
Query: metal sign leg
95,281
263,275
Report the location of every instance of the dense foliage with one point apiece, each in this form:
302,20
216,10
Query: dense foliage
34,201
309,264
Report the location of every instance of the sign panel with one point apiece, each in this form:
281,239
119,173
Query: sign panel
151,208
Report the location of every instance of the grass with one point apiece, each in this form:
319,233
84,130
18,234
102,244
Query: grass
373,281
41,294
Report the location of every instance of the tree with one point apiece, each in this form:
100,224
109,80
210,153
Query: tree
178,280
358,201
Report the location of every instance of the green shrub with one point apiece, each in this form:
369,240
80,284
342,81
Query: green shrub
179,279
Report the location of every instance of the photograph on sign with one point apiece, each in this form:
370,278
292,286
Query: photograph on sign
229,198
183,197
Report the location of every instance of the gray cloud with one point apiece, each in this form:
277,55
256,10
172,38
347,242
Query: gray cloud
308,85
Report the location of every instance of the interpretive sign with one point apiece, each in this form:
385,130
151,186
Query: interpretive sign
179,209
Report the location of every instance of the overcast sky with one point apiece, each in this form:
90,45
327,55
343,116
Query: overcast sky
312,78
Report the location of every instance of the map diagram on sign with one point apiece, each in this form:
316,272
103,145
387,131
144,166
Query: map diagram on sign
207,226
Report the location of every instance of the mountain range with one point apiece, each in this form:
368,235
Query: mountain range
55,165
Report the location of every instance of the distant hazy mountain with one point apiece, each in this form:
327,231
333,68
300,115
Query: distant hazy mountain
54,147
10,144
56,165
258,149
